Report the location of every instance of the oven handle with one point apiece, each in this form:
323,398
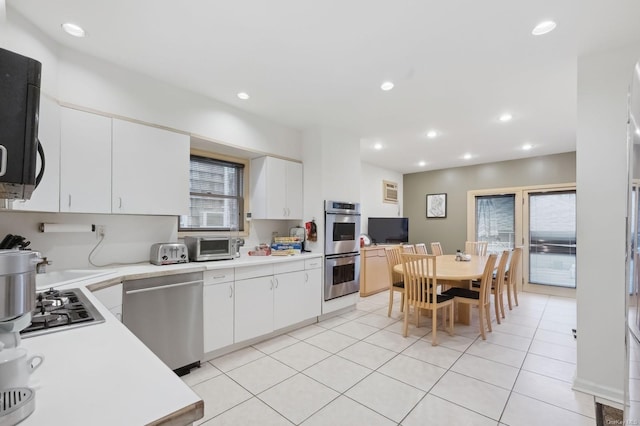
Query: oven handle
162,287
342,256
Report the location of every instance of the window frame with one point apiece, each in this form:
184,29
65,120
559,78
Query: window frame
245,194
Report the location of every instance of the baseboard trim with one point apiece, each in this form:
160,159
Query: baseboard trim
603,394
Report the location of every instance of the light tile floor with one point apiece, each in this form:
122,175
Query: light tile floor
357,369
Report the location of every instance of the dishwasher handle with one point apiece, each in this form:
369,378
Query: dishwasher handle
163,287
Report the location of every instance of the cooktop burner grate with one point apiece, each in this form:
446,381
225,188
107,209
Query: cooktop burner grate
58,310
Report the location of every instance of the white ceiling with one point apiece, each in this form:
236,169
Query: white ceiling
456,64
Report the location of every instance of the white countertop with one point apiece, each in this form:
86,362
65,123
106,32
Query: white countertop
102,374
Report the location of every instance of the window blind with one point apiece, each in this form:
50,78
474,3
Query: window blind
216,195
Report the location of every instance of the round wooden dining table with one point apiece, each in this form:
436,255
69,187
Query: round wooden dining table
452,272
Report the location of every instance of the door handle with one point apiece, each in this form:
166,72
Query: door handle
306,277
230,291
163,287
120,205
69,200
284,211
276,283
3,164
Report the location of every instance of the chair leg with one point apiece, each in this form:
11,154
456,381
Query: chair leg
417,314
509,296
496,304
434,328
502,303
452,330
482,313
390,301
515,293
402,301
405,328
488,318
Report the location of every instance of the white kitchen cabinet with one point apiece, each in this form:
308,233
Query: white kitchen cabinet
218,309
85,162
111,298
253,308
276,189
150,170
288,298
46,197
311,299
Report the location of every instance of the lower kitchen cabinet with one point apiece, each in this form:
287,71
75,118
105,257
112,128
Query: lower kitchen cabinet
253,307
218,308
288,305
111,298
374,272
311,301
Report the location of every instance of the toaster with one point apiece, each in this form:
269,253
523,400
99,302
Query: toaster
168,253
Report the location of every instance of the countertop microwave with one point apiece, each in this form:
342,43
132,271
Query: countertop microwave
204,248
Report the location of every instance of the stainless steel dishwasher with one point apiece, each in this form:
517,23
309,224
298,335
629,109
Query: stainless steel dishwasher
165,313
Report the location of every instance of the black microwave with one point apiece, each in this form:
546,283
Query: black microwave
19,108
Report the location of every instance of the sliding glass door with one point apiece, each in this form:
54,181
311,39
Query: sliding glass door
496,221
551,242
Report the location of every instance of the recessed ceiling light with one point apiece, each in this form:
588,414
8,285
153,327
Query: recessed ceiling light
505,117
422,163
377,146
432,134
467,156
527,146
544,27
73,29
386,86
243,95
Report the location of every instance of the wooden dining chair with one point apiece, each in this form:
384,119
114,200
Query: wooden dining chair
420,292
498,283
396,282
408,248
511,278
421,248
478,248
481,298
436,249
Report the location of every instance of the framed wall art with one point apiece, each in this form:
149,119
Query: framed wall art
436,206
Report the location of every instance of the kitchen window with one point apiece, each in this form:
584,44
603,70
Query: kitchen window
216,190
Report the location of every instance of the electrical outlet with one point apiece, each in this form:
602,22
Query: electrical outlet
101,231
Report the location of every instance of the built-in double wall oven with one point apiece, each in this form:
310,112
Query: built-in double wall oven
342,249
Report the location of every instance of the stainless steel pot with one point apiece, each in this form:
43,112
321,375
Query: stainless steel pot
17,283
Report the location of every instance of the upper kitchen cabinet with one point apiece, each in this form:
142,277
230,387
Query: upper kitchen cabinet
46,197
85,162
150,170
276,189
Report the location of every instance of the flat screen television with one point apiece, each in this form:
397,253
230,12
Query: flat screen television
389,230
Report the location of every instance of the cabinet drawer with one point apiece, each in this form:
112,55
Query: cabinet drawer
110,297
281,268
375,253
253,271
218,276
313,263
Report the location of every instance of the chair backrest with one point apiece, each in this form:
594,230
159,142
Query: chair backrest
408,248
476,247
514,266
421,248
487,277
420,282
393,259
500,277
436,249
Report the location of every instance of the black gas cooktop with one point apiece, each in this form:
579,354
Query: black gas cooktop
58,310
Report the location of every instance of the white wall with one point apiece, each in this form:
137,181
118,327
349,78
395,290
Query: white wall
371,193
601,180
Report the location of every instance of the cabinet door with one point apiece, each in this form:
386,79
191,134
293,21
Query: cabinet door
46,197
276,188
85,162
150,170
253,308
217,315
287,305
294,190
311,300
